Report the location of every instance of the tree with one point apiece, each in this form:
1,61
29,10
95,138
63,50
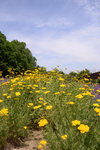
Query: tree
83,73
15,55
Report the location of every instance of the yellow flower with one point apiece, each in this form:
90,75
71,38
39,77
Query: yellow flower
38,91
43,88
42,122
61,79
49,107
87,93
1,100
40,101
98,100
79,96
44,103
46,92
70,102
40,146
97,110
4,112
33,88
57,93
35,85
98,90
83,128
97,105
81,88
17,93
36,107
62,85
62,92
5,94
43,142
40,98
30,104
64,137
25,127
86,86
86,79
8,96
11,89
75,122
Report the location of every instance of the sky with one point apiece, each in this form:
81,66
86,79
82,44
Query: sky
64,33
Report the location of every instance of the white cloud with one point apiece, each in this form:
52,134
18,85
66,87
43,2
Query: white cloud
62,21
80,50
92,7
80,46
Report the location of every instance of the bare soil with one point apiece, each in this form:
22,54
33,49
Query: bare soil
31,143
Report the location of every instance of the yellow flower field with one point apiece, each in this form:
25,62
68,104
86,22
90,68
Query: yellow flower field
64,109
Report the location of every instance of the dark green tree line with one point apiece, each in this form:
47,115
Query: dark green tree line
15,55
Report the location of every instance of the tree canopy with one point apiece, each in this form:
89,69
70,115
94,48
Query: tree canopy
15,55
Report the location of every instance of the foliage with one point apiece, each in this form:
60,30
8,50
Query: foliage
64,109
81,73
15,55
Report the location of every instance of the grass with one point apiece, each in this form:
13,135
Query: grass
51,102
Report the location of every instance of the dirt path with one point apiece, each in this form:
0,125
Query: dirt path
30,143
